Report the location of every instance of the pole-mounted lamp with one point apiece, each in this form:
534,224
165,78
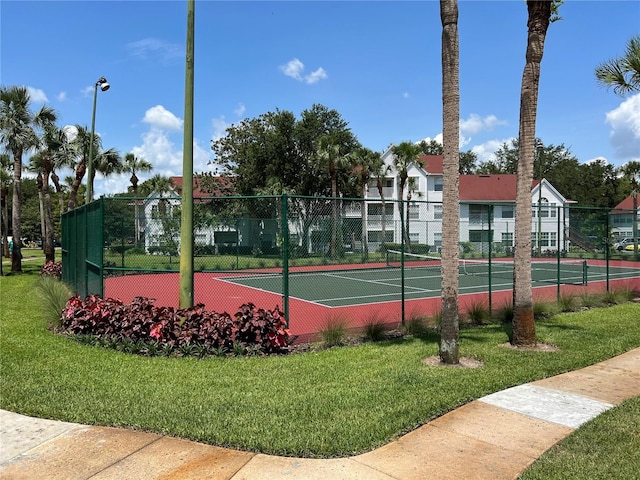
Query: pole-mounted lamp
104,86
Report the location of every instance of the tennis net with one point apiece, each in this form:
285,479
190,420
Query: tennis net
566,271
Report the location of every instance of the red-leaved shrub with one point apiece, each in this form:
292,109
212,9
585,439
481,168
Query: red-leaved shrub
178,330
51,269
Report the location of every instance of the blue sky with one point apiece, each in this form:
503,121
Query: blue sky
375,62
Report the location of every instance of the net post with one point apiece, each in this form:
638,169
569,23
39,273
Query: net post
585,269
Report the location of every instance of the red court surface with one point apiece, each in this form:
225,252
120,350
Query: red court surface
307,319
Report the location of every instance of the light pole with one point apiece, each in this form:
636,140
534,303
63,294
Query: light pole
104,86
539,147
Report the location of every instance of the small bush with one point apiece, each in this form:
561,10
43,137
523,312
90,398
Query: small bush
54,295
504,314
541,309
374,330
416,325
567,303
334,333
52,269
589,300
478,313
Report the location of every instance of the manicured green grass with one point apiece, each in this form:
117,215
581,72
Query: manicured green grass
325,403
606,447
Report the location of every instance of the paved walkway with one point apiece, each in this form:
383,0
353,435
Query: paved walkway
495,437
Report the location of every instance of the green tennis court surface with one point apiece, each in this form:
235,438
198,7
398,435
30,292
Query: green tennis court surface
422,279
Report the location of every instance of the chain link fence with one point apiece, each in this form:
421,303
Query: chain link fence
330,258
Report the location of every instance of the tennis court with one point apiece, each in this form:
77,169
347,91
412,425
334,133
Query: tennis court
421,279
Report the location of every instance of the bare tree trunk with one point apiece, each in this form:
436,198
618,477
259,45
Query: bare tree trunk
524,329
449,326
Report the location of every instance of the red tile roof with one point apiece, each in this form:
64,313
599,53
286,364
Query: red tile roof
624,206
224,187
486,188
432,163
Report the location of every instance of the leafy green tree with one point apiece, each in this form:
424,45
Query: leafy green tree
631,172
18,134
449,330
622,73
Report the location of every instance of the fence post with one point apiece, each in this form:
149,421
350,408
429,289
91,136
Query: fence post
558,253
490,236
285,258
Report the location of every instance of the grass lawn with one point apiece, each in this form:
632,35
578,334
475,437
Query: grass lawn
327,403
606,447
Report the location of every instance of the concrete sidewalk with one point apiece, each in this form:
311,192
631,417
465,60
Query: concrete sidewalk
495,437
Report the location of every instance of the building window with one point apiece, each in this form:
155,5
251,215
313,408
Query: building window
437,184
478,214
414,237
507,211
478,236
507,239
437,211
414,211
437,239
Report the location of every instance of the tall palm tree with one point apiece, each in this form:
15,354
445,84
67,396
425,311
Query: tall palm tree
381,171
366,162
331,157
539,17
80,141
412,188
107,162
405,155
53,153
133,164
17,135
449,326
622,73
631,171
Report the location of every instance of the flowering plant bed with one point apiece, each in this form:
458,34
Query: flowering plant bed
143,328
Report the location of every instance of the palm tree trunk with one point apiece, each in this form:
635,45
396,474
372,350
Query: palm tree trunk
43,230
16,211
449,326
75,186
524,330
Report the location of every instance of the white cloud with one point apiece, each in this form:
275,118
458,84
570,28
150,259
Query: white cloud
295,69
475,124
316,76
153,48
625,128
161,118
405,94
220,126
37,95
487,151
240,109
62,96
